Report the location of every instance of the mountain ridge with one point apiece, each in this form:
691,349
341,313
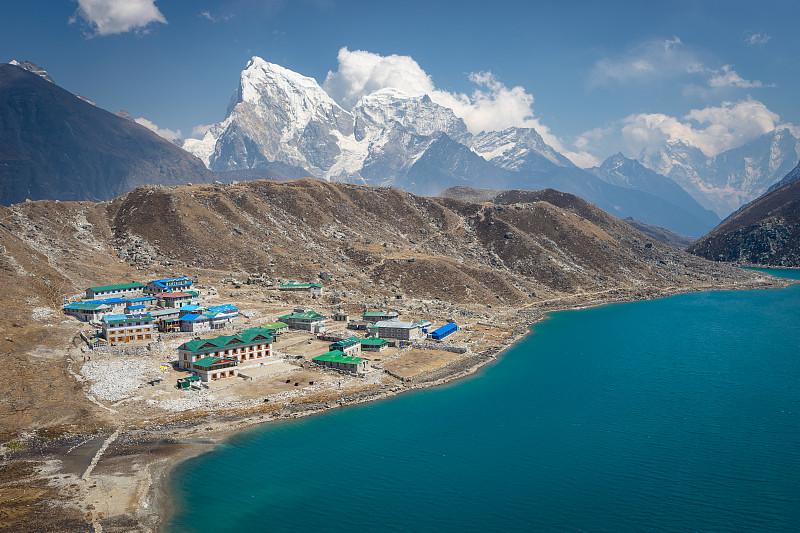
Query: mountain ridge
55,145
764,232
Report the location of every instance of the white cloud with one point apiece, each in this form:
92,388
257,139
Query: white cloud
756,38
205,14
492,106
727,77
168,134
200,130
649,61
712,129
107,17
361,73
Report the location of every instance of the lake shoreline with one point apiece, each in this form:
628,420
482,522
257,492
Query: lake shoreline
165,506
128,489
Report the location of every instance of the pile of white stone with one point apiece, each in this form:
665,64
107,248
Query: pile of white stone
117,378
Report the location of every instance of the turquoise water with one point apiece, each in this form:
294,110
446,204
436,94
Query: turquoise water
679,414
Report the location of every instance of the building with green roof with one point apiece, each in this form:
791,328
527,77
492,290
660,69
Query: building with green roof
86,311
336,359
315,289
250,345
127,289
374,344
275,328
376,316
213,368
350,346
305,320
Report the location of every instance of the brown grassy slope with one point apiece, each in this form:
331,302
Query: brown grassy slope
36,379
549,242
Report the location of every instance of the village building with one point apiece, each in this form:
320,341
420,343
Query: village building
348,346
195,318
397,329
340,316
123,329
305,320
339,361
213,368
377,316
132,308
225,312
144,300
181,284
314,289
444,331
122,289
275,328
176,299
250,345
117,305
374,344
167,320
86,311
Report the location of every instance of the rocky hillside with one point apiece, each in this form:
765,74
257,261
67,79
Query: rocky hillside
374,246
766,232
54,145
366,238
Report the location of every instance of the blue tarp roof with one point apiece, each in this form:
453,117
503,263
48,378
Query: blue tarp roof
223,308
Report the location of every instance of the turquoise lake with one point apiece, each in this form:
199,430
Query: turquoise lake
678,414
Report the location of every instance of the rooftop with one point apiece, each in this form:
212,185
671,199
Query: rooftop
209,361
223,308
306,315
87,307
164,282
397,324
299,285
117,319
344,343
243,337
274,325
134,285
337,356
372,341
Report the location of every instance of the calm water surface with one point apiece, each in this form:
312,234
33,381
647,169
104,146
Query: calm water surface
680,414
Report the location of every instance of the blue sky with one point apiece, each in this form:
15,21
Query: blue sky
593,77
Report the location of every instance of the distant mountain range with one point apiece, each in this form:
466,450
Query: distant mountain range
727,181
764,232
280,119
280,124
55,145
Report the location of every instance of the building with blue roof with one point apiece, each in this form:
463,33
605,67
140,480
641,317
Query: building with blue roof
180,284
87,311
444,331
195,318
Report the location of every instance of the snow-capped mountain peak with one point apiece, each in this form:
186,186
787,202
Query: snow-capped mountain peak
32,67
270,90
393,108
